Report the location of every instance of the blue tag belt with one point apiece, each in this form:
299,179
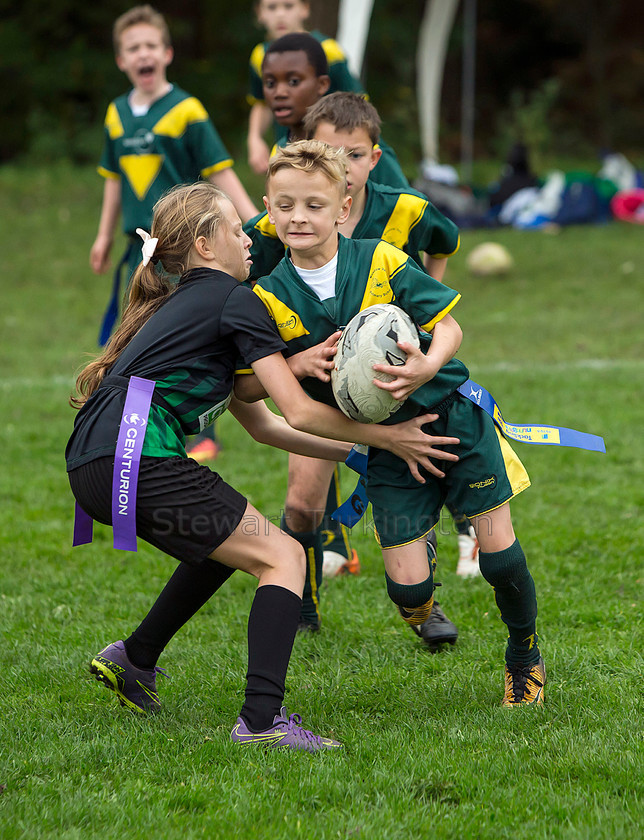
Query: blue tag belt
351,511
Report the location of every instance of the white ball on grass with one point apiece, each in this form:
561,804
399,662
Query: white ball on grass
489,259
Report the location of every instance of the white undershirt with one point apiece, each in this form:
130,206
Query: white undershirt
141,110
320,280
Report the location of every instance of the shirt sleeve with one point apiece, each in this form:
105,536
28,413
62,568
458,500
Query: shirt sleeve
255,86
422,297
207,148
112,129
245,320
441,237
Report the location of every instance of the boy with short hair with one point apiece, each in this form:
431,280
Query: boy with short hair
281,17
322,282
156,136
403,217
295,76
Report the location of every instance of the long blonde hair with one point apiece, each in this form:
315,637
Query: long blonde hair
181,216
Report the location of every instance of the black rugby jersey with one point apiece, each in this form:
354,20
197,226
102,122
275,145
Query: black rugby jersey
190,347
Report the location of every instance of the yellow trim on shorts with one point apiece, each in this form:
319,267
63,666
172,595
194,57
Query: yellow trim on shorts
400,545
516,472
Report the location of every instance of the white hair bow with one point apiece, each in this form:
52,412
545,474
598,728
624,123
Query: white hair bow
149,245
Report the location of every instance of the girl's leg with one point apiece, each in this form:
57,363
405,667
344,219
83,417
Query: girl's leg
261,549
183,595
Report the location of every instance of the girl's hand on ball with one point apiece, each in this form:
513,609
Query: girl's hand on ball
417,450
316,361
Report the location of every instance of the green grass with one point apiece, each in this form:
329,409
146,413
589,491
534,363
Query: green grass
429,752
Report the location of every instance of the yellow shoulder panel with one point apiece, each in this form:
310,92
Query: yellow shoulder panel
175,122
406,214
333,51
256,58
113,122
386,262
287,322
266,227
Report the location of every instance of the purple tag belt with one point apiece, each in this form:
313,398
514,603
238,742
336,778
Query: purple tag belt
127,460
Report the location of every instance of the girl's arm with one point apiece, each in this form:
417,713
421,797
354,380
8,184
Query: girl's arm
406,440
266,427
420,367
317,361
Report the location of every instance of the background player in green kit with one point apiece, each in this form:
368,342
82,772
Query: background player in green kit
321,283
156,136
281,17
295,75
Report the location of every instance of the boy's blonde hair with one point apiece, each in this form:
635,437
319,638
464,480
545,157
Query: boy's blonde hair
181,216
345,112
311,156
139,14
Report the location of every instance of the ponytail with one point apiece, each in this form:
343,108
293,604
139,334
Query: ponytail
148,290
180,217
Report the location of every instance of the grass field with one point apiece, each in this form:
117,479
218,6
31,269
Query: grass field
429,751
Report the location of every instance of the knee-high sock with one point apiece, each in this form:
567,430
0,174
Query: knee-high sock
514,591
183,595
311,542
272,625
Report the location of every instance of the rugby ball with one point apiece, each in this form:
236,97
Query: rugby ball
489,259
370,337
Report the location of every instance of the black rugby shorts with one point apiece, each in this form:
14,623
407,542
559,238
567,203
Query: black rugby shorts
183,508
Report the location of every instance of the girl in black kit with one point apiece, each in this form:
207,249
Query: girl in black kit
188,338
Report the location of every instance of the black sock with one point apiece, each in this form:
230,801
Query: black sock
183,595
272,625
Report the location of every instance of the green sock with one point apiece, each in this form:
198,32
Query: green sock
514,591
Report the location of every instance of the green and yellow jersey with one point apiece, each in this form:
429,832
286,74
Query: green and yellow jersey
368,272
174,143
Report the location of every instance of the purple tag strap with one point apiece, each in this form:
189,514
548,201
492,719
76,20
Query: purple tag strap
83,526
125,479
127,460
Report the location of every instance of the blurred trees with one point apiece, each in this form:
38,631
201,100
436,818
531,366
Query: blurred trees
57,72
